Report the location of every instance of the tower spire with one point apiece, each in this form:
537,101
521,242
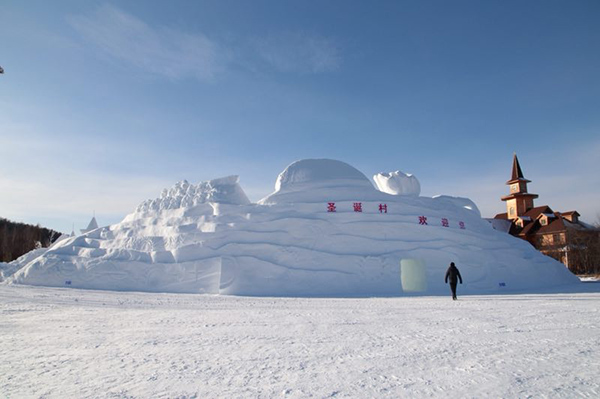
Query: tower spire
517,173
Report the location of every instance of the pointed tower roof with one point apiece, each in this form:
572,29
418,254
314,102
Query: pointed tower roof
517,173
93,225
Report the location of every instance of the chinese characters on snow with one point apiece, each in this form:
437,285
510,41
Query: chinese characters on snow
383,208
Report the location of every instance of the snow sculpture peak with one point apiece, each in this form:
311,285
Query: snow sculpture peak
226,190
397,183
93,225
317,180
319,172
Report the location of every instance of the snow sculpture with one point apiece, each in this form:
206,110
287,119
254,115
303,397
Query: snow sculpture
208,238
397,183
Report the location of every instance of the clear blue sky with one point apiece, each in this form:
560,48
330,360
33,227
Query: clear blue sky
103,104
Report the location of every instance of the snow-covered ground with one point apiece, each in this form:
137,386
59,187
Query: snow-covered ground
69,343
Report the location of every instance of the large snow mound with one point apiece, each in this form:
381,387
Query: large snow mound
325,231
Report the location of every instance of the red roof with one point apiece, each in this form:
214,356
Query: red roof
520,195
570,213
553,226
533,213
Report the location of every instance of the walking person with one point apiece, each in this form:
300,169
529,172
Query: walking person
453,275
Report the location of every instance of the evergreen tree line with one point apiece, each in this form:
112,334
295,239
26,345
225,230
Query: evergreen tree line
17,239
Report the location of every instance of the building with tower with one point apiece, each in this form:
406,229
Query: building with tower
519,201
560,235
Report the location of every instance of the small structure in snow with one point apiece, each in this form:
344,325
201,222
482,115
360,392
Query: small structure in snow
93,225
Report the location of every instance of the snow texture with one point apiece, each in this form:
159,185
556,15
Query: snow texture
466,203
502,225
184,195
59,343
209,238
397,183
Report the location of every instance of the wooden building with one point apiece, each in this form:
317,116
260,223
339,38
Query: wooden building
557,234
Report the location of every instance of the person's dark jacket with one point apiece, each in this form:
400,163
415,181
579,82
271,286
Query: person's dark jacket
452,273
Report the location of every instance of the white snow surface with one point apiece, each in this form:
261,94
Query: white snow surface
397,183
69,343
466,203
208,238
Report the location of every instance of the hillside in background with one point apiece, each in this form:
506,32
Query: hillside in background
17,239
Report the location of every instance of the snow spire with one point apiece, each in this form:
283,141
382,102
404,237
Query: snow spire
93,225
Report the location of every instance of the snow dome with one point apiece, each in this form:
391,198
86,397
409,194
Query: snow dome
320,172
312,180
325,231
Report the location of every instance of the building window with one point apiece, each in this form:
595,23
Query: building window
556,238
545,240
543,221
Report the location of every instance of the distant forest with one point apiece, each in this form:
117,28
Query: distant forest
17,239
